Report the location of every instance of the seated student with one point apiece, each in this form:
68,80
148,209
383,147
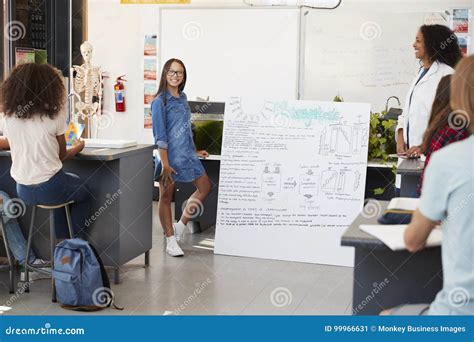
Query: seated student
32,98
441,131
448,197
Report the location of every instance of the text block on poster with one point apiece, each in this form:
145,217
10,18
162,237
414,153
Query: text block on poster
292,179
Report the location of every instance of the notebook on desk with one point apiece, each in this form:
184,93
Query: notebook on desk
109,143
392,235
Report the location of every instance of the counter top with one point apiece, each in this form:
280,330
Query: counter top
104,154
411,167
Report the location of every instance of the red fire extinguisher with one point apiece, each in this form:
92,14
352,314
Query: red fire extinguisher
120,94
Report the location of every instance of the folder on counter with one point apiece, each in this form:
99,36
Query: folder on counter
392,235
399,211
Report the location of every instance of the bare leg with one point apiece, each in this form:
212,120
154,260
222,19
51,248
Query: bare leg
164,206
203,188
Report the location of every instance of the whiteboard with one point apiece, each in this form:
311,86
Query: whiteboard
292,179
233,51
362,53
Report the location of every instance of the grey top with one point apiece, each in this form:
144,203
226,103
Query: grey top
355,237
411,167
104,154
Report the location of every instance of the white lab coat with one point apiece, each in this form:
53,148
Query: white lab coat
418,113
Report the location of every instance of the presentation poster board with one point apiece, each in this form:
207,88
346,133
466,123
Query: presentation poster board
292,179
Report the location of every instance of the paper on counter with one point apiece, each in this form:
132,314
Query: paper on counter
403,203
392,235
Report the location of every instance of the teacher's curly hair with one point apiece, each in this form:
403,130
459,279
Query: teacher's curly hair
33,90
441,44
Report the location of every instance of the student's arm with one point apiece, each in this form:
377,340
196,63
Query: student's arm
418,231
4,144
158,115
65,153
401,146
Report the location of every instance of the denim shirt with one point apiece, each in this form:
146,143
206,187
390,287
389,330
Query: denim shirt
172,131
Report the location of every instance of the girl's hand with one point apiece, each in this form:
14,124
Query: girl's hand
414,152
78,145
166,175
401,148
202,153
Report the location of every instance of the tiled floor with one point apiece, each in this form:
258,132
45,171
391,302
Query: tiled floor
202,283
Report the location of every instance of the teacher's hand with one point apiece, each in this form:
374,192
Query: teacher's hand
166,175
414,152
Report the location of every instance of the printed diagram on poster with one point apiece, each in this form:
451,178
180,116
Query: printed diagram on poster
150,84
460,24
292,175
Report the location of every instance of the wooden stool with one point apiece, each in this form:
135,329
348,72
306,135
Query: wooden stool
52,235
10,265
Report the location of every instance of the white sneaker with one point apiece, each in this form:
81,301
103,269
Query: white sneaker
179,231
172,247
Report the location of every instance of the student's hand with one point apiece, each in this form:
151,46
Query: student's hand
202,153
78,145
166,175
414,152
401,148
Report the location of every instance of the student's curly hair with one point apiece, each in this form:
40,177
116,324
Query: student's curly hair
33,90
441,44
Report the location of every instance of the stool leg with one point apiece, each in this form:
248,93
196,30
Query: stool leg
69,222
28,246
52,240
7,249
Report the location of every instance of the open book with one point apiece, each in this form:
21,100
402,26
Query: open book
392,235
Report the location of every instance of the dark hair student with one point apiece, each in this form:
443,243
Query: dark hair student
33,89
179,160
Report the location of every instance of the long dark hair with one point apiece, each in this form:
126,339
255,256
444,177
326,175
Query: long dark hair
164,83
441,44
439,113
33,90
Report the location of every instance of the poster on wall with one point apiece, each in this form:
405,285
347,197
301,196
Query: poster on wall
459,23
292,179
150,84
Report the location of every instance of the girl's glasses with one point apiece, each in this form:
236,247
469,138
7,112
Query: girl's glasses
171,73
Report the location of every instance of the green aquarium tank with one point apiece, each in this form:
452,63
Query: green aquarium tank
208,124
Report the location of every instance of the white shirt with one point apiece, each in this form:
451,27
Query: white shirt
418,112
34,147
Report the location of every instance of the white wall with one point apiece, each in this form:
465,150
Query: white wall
117,31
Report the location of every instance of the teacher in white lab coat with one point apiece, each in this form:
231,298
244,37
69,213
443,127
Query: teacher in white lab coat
437,49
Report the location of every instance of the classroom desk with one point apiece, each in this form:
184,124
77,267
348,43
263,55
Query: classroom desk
410,170
121,184
384,278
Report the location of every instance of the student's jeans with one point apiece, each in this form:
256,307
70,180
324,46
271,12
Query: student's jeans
16,241
61,188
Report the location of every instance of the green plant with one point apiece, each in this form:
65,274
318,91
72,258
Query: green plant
381,137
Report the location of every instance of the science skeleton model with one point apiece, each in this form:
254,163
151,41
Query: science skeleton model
86,89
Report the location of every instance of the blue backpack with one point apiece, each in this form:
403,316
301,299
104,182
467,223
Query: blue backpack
80,278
